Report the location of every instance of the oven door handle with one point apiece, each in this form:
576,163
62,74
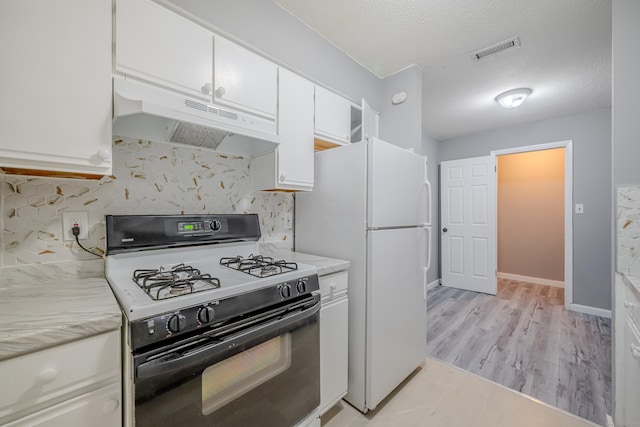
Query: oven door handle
178,362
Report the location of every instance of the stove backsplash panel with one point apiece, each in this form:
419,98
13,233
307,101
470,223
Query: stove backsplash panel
148,178
628,229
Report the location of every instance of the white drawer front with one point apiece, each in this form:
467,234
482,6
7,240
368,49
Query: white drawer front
48,375
333,285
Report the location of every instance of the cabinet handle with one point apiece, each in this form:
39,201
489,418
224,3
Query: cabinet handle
104,154
220,92
47,376
635,350
207,88
110,405
628,304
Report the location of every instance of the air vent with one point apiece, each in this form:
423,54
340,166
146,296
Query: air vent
496,48
196,105
227,114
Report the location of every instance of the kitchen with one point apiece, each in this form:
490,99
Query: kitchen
139,184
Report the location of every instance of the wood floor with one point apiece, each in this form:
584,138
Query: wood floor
525,339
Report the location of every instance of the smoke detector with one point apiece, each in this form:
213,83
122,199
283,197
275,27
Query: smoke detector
496,48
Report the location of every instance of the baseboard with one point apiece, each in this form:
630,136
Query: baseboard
594,311
536,280
433,284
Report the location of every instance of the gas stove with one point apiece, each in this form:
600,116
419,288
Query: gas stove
160,264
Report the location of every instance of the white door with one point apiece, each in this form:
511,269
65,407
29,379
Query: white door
396,315
332,116
468,224
396,183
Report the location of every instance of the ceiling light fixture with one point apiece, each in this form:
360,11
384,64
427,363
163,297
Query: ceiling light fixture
513,98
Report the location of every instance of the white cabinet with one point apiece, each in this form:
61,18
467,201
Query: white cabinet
332,117
72,385
334,317
55,86
627,351
290,167
244,80
153,43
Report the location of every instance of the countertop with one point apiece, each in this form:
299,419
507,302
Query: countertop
43,305
324,265
633,280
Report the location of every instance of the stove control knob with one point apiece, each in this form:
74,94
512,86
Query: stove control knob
285,291
206,314
215,225
301,287
176,323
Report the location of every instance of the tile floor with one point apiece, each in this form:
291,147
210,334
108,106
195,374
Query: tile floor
441,395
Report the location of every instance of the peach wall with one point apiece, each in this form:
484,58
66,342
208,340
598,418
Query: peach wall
531,214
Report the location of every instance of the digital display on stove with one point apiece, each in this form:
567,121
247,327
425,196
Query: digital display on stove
188,227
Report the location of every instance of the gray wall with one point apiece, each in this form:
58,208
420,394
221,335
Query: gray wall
591,135
626,92
402,124
265,27
430,148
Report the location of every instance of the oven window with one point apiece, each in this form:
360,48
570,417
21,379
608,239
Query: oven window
235,376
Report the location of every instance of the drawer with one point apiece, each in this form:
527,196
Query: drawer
333,285
48,376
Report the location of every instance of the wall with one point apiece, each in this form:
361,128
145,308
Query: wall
430,147
402,124
591,135
531,214
148,178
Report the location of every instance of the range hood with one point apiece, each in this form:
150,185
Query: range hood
147,112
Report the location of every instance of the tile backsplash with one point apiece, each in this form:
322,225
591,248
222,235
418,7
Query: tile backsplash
628,229
148,178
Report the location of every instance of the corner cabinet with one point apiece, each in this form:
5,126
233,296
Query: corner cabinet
154,44
290,167
55,81
72,385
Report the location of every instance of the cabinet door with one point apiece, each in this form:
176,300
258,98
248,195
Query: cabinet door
333,116
99,408
295,128
244,80
333,352
162,47
631,368
55,81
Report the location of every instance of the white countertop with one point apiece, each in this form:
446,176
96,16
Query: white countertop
42,305
324,265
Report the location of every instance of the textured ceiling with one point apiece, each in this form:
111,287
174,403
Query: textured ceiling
565,56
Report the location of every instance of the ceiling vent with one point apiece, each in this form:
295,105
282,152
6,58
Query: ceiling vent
496,48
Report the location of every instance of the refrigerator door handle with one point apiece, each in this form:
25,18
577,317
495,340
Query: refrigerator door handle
428,232
427,183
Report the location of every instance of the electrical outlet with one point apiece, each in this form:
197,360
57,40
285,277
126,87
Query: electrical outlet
69,219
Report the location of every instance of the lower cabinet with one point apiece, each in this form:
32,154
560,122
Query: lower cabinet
334,317
77,384
627,351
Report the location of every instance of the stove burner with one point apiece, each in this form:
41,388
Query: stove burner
258,265
179,280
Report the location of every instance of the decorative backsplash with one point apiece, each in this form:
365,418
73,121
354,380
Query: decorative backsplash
628,229
148,178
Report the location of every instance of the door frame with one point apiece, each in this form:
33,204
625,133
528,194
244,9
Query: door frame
568,207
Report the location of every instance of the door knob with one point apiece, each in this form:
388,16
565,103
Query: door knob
444,230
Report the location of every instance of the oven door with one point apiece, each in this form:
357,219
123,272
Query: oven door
264,372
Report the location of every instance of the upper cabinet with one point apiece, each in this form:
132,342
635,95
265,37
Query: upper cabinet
153,43
332,119
55,81
290,167
244,80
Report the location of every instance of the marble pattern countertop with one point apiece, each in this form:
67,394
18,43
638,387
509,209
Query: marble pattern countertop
42,305
634,281
324,265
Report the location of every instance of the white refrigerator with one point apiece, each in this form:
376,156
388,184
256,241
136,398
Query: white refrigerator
370,205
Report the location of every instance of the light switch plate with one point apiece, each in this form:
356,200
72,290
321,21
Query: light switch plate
579,208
